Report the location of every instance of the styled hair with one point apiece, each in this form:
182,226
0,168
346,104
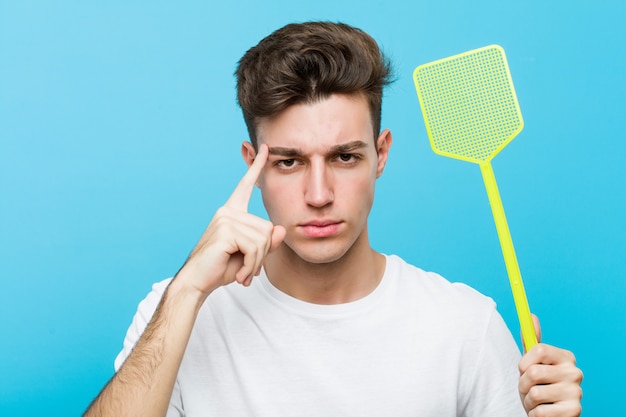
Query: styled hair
308,62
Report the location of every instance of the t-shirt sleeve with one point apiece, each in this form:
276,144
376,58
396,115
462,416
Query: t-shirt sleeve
495,385
142,317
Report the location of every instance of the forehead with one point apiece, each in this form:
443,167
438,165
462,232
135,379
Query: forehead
320,125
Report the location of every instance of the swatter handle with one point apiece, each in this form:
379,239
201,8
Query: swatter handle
510,260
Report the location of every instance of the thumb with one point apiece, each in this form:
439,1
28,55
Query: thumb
278,235
537,327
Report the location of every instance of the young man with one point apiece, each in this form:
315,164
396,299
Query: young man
298,315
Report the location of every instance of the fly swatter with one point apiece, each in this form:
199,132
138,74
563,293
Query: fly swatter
471,113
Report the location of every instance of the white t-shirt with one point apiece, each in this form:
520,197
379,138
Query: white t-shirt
418,345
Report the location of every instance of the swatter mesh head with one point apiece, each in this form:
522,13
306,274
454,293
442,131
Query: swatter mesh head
469,104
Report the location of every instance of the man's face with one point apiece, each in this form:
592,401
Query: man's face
319,180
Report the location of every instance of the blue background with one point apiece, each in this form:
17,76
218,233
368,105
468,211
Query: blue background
120,136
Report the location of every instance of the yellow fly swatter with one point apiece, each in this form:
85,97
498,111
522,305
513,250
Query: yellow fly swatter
471,113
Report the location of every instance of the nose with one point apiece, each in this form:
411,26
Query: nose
318,187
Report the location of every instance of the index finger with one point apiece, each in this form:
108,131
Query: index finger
240,198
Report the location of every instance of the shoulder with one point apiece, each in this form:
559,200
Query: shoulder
148,305
431,284
450,308
142,317
435,291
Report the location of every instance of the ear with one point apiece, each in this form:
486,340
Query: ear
248,153
383,144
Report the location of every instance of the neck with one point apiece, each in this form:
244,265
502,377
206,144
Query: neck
351,277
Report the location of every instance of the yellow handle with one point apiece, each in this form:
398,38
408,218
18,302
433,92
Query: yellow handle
510,260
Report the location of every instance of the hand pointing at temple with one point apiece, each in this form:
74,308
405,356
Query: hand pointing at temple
236,242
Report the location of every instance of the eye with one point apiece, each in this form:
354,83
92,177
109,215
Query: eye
286,164
348,157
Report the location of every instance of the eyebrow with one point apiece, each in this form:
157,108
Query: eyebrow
337,149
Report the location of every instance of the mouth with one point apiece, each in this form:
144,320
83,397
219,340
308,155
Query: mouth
321,228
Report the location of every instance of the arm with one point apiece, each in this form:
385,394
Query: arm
144,383
231,249
549,384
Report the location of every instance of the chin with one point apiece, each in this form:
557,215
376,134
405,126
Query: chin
317,252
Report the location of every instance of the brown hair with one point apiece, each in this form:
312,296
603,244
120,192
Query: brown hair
306,62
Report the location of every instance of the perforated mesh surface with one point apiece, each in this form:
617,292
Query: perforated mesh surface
469,104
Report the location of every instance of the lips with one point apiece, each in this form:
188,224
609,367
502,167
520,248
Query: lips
321,228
